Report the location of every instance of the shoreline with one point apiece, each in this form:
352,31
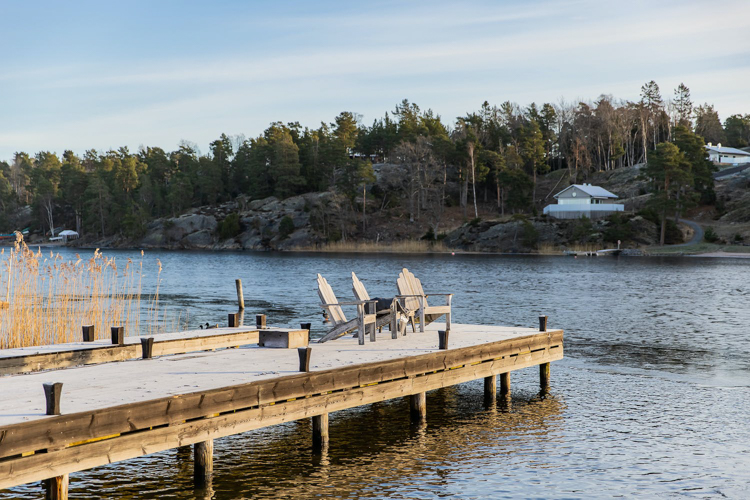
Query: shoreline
386,250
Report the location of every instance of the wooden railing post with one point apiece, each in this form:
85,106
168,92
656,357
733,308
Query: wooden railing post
56,488
320,432
118,335
147,348
88,333
203,462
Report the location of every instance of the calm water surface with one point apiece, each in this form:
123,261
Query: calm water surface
651,400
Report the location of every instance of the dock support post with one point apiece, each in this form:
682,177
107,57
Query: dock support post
505,384
260,321
147,348
544,377
118,335
240,296
56,488
418,407
203,462
320,432
233,320
490,389
88,333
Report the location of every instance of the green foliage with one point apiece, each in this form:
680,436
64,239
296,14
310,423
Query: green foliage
429,235
230,226
475,222
529,234
582,230
286,227
618,228
710,235
738,238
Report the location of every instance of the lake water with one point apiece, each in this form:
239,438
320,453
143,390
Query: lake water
651,400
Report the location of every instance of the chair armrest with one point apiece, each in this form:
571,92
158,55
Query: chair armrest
353,303
407,296
441,294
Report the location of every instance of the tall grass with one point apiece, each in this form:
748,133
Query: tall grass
48,298
407,246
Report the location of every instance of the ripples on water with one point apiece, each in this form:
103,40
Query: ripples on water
651,399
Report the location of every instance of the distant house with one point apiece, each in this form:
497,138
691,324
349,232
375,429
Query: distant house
727,156
583,200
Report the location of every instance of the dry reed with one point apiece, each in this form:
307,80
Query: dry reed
49,298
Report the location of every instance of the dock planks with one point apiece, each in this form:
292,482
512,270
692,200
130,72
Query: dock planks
147,406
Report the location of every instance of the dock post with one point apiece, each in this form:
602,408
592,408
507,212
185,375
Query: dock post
418,407
443,338
147,348
56,488
308,327
304,358
233,320
320,432
88,333
542,323
203,462
118,335
505,384
490,389
260,321
544,377
240,296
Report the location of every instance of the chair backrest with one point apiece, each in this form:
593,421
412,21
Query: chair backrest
359,289
325,292
408,284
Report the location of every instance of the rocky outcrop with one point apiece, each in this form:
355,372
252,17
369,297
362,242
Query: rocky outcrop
266,224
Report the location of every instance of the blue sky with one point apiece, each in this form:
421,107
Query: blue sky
83,75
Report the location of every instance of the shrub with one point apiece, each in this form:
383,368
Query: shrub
230,227
710,235
475,222
429,235
582,229
618,228
529,235
286,227
738,238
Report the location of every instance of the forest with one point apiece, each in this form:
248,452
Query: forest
489,158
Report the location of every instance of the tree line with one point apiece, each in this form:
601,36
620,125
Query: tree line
491,157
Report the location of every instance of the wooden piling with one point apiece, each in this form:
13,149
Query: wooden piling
56,488
52,394
308,327
118,335
542,323
490,388
505,384
233,320
88,333
260,320
203,462
240,295
443,339
320,432
544,377
304,358
147,348
418,406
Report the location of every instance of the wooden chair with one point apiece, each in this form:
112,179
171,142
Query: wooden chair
414,299
336,314
390,317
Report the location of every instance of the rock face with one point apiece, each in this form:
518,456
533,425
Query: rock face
267,224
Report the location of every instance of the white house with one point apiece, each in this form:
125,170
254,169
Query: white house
579,200
727,156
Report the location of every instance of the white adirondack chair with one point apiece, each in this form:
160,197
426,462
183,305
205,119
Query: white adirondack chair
390,317
336,314
414,298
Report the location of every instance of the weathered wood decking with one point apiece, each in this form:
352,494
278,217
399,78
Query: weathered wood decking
49,357
117,411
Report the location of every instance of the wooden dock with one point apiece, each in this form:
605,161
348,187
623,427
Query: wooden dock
117,411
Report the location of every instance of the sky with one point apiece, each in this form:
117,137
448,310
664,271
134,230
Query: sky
100,75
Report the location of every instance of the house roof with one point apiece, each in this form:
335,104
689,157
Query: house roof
728,151
593,191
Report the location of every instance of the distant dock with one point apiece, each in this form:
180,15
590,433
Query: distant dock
112,411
